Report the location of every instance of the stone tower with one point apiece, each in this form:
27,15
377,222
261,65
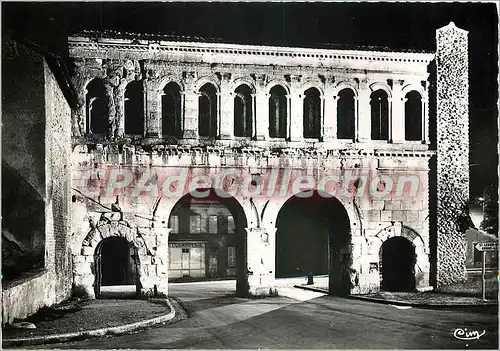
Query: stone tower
452,139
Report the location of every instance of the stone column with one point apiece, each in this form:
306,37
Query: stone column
190,107
261,245
452,114
389,118
226,108
363,124
152,106
425,120
261,109
296,123
398,113
330,120
162,258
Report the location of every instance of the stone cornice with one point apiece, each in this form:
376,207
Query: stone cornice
274,152
251,54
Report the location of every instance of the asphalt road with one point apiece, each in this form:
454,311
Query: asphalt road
301,319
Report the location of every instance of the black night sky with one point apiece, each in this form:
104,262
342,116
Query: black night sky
394,25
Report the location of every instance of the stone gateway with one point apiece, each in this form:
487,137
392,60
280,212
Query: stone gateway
211,160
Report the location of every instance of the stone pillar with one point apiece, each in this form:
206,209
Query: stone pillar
330,120
425,120
452,115
398,113
363,125
162,258
296,123
261,109
226,108
261,250
190,107
152,108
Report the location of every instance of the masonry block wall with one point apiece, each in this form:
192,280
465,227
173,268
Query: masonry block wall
372,221
23,152
452,151
58,184
36,145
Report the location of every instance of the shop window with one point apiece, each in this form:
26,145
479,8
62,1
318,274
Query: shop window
194,224
346,114
413,116
212,224
379,115
278,112
171,121
312,114
174,224
231,257
230,225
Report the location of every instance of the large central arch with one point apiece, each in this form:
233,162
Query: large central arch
313,236
211,224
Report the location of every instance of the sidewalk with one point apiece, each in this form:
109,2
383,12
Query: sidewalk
415,299
78,319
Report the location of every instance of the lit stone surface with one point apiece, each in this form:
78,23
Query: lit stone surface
452,150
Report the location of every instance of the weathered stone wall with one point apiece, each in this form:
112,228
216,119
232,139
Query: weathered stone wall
369,218
37,138
25,296
58,183
452,151
23,164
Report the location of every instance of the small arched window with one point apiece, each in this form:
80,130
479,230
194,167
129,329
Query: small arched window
346,119
96,107
278,112
243,111
171,110
413,116
207,111
134,108
379,115
312,114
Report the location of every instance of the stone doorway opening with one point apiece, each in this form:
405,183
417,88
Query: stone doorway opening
313,236
116,263
397,265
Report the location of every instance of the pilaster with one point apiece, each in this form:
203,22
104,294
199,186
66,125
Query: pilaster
261,109
330,115
364,113
296,123
152,111
398,113
226,108
190,107
261,243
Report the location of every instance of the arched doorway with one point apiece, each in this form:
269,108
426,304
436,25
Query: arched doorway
397,265
313,236
116,268
207,240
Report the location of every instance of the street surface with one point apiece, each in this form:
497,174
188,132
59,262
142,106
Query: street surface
300,319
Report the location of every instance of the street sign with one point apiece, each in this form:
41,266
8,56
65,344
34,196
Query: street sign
487,246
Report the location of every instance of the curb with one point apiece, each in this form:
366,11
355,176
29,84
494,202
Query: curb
401,303
121,329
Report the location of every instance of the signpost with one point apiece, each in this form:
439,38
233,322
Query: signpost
483,247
